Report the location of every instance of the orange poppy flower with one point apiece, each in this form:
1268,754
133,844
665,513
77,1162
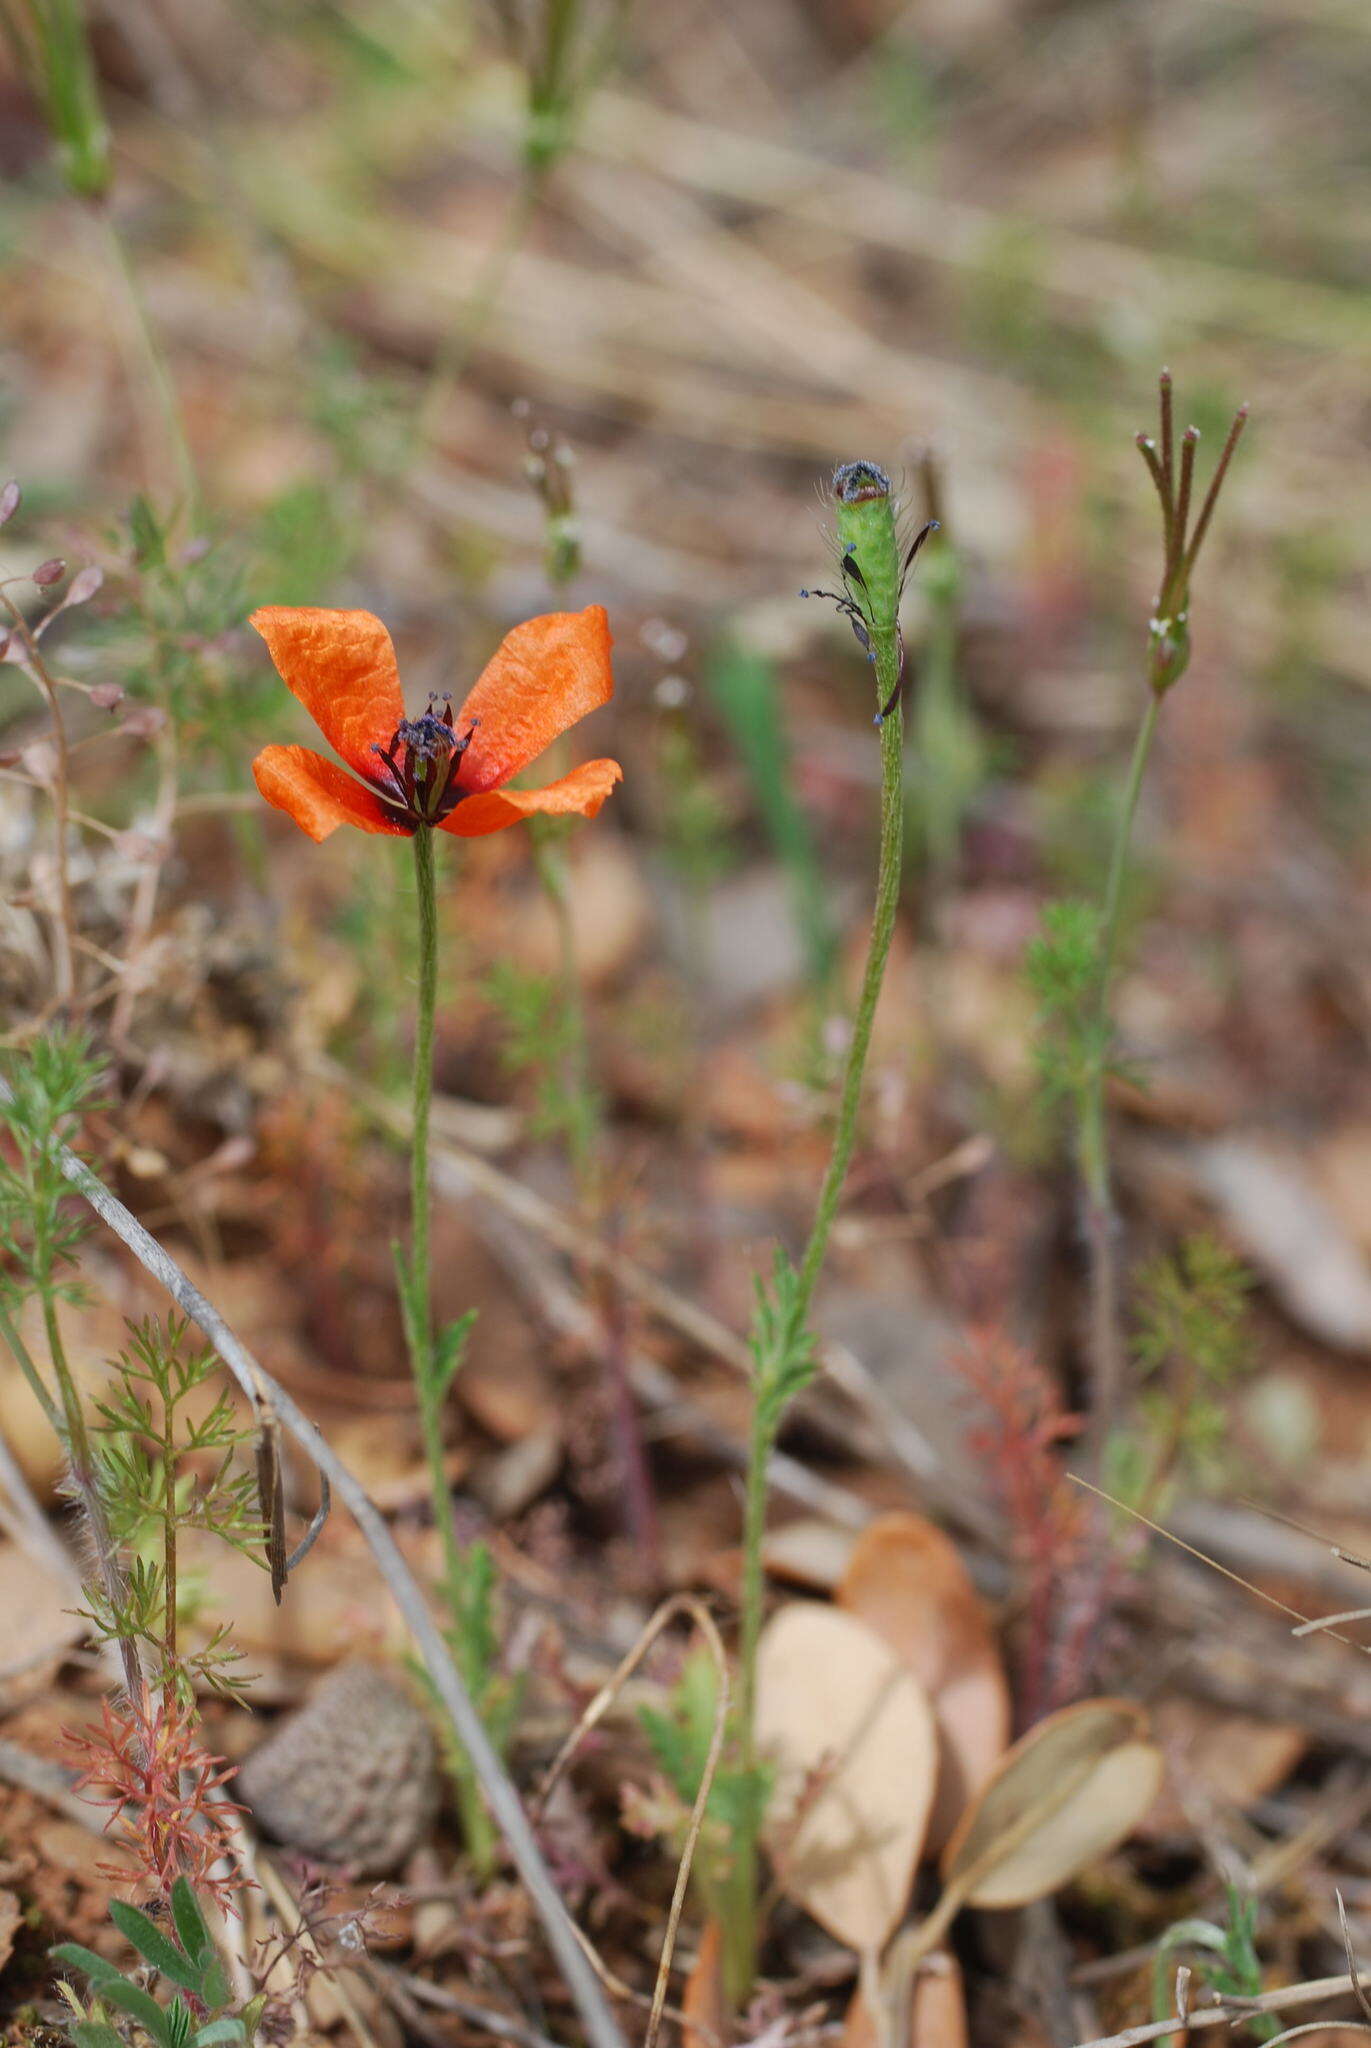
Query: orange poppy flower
434,769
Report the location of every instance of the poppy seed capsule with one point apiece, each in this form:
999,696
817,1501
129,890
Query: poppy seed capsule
864,514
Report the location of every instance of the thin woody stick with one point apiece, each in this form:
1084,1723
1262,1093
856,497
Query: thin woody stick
260,1388
1229,2011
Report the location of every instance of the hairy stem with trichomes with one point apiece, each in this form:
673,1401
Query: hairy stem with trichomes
872,569
430,1381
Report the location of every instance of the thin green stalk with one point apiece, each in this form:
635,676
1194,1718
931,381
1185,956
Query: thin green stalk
456,351
1118,866
741,1933
1106,1337
576,1088
169,1594
168,403
576,1078
882,932
420,1317
23,1358
416,1302
868,538
1094,1147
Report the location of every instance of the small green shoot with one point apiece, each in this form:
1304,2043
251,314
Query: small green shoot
743,688
1236,1972
202,2019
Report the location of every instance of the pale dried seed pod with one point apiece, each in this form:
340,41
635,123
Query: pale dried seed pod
351,1778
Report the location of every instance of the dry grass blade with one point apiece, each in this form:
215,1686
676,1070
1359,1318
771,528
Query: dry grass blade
680,1603
1353,1974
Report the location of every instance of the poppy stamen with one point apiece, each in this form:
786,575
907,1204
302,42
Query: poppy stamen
421,763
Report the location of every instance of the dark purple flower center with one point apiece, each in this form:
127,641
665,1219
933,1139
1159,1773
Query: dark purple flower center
419,767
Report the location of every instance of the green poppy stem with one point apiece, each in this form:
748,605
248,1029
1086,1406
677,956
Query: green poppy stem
416,1303
420,1319
1106,1341
740,1933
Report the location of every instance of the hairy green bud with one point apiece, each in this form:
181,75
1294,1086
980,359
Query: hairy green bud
864,514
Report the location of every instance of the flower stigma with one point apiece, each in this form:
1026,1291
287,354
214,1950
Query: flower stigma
422,761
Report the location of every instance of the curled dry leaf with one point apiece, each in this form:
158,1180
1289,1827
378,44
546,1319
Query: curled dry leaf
850,1735
906,1580
1068,1792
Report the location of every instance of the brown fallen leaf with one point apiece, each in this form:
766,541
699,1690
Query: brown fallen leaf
906,1580
937,2009
851,1737
703,2001
36,1625
11,1920
1067,1793
809,1552
1231,1760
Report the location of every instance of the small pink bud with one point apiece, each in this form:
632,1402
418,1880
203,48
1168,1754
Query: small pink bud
143,721
105,696
9,502
85,583
10,757
49,572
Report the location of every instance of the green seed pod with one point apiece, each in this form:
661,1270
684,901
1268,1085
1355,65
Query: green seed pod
864,513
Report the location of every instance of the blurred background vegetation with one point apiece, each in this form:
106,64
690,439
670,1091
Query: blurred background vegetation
457,314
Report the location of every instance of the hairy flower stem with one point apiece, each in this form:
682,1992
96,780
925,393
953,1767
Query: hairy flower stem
421,1314
1101,1226
169,1594
888,657
416,1303
878,953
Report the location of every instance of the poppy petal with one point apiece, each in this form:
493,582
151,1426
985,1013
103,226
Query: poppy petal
542,677
320,795
582,792
341,666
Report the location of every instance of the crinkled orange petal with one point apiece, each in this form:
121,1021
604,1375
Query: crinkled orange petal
582,792
544,675
341,666
320,795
